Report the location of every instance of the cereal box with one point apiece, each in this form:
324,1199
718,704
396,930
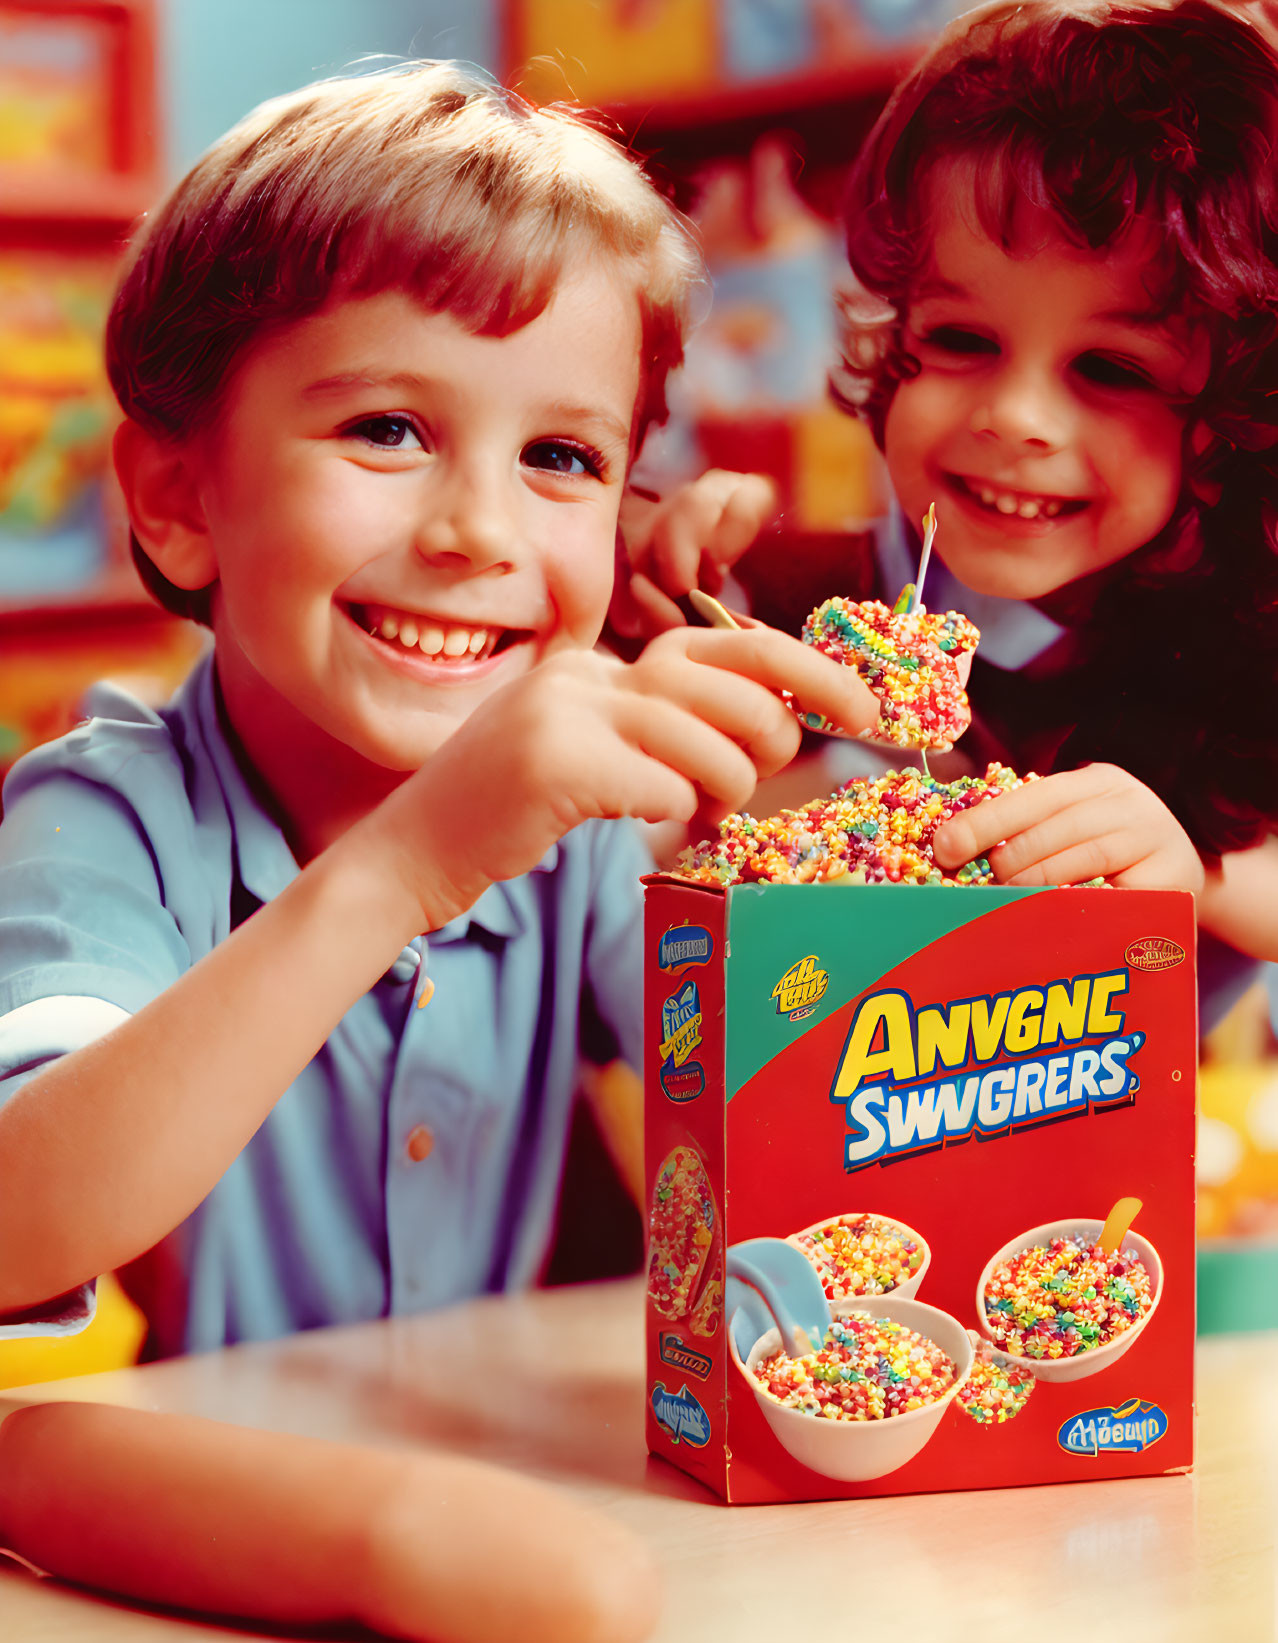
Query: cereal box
886,1127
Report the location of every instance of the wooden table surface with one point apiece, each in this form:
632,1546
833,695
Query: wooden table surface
1157,1559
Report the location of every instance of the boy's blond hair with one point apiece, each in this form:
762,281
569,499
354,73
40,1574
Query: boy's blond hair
428,178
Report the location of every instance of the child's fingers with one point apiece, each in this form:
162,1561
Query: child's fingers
817,682
655,611
749,503
1096,830
746,714
715,519
682,741
1087,858
977,831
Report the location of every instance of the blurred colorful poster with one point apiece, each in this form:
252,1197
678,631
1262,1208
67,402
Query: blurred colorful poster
54,91
55,415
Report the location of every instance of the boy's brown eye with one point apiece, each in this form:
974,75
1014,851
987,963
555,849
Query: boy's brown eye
390,433
557,456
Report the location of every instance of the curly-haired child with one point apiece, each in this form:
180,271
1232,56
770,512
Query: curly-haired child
1064,332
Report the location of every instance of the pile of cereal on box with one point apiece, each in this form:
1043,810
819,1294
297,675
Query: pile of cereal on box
866,832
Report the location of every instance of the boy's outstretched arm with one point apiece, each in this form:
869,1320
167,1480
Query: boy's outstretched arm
294,1531
109,1148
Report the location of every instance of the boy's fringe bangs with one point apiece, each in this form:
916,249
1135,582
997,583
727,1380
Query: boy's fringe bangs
473,214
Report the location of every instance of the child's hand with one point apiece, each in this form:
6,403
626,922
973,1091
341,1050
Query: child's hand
695,722
1098,822
687,540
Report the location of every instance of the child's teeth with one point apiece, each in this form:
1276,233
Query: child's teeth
1025,507
431,638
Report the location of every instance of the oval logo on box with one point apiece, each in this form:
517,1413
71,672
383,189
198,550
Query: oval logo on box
1155,953
1125,1430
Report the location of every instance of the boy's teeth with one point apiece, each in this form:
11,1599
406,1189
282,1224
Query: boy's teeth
430,638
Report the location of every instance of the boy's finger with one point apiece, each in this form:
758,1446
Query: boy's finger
684,532
653,611
750,504
686,743
781,663
746,713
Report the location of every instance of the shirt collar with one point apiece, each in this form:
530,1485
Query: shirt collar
1012,632
265,863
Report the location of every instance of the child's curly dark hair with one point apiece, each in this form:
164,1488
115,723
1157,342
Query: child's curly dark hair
1111,116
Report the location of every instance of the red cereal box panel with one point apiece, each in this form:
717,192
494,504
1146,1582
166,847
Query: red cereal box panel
932,1098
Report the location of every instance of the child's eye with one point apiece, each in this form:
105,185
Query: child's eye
388,433
560,457
1107,371
957,339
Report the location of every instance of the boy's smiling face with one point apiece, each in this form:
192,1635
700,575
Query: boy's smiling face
406,516
1044,419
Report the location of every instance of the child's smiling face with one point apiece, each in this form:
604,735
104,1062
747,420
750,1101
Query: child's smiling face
1046,420
405,516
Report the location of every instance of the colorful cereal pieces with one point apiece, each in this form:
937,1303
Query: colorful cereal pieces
868,1369
867,832
681,1231
861,1255
1065,1298
996,1389
909,659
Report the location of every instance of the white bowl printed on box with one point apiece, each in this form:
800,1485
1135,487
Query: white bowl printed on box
906,1290
1099,1357
855,1451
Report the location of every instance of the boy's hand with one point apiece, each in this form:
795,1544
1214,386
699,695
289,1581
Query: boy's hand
694,723
689,539
1098,822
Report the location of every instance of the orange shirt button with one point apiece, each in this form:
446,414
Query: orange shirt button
420,1143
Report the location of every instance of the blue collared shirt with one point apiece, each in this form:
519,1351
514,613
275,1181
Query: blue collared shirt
134,845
